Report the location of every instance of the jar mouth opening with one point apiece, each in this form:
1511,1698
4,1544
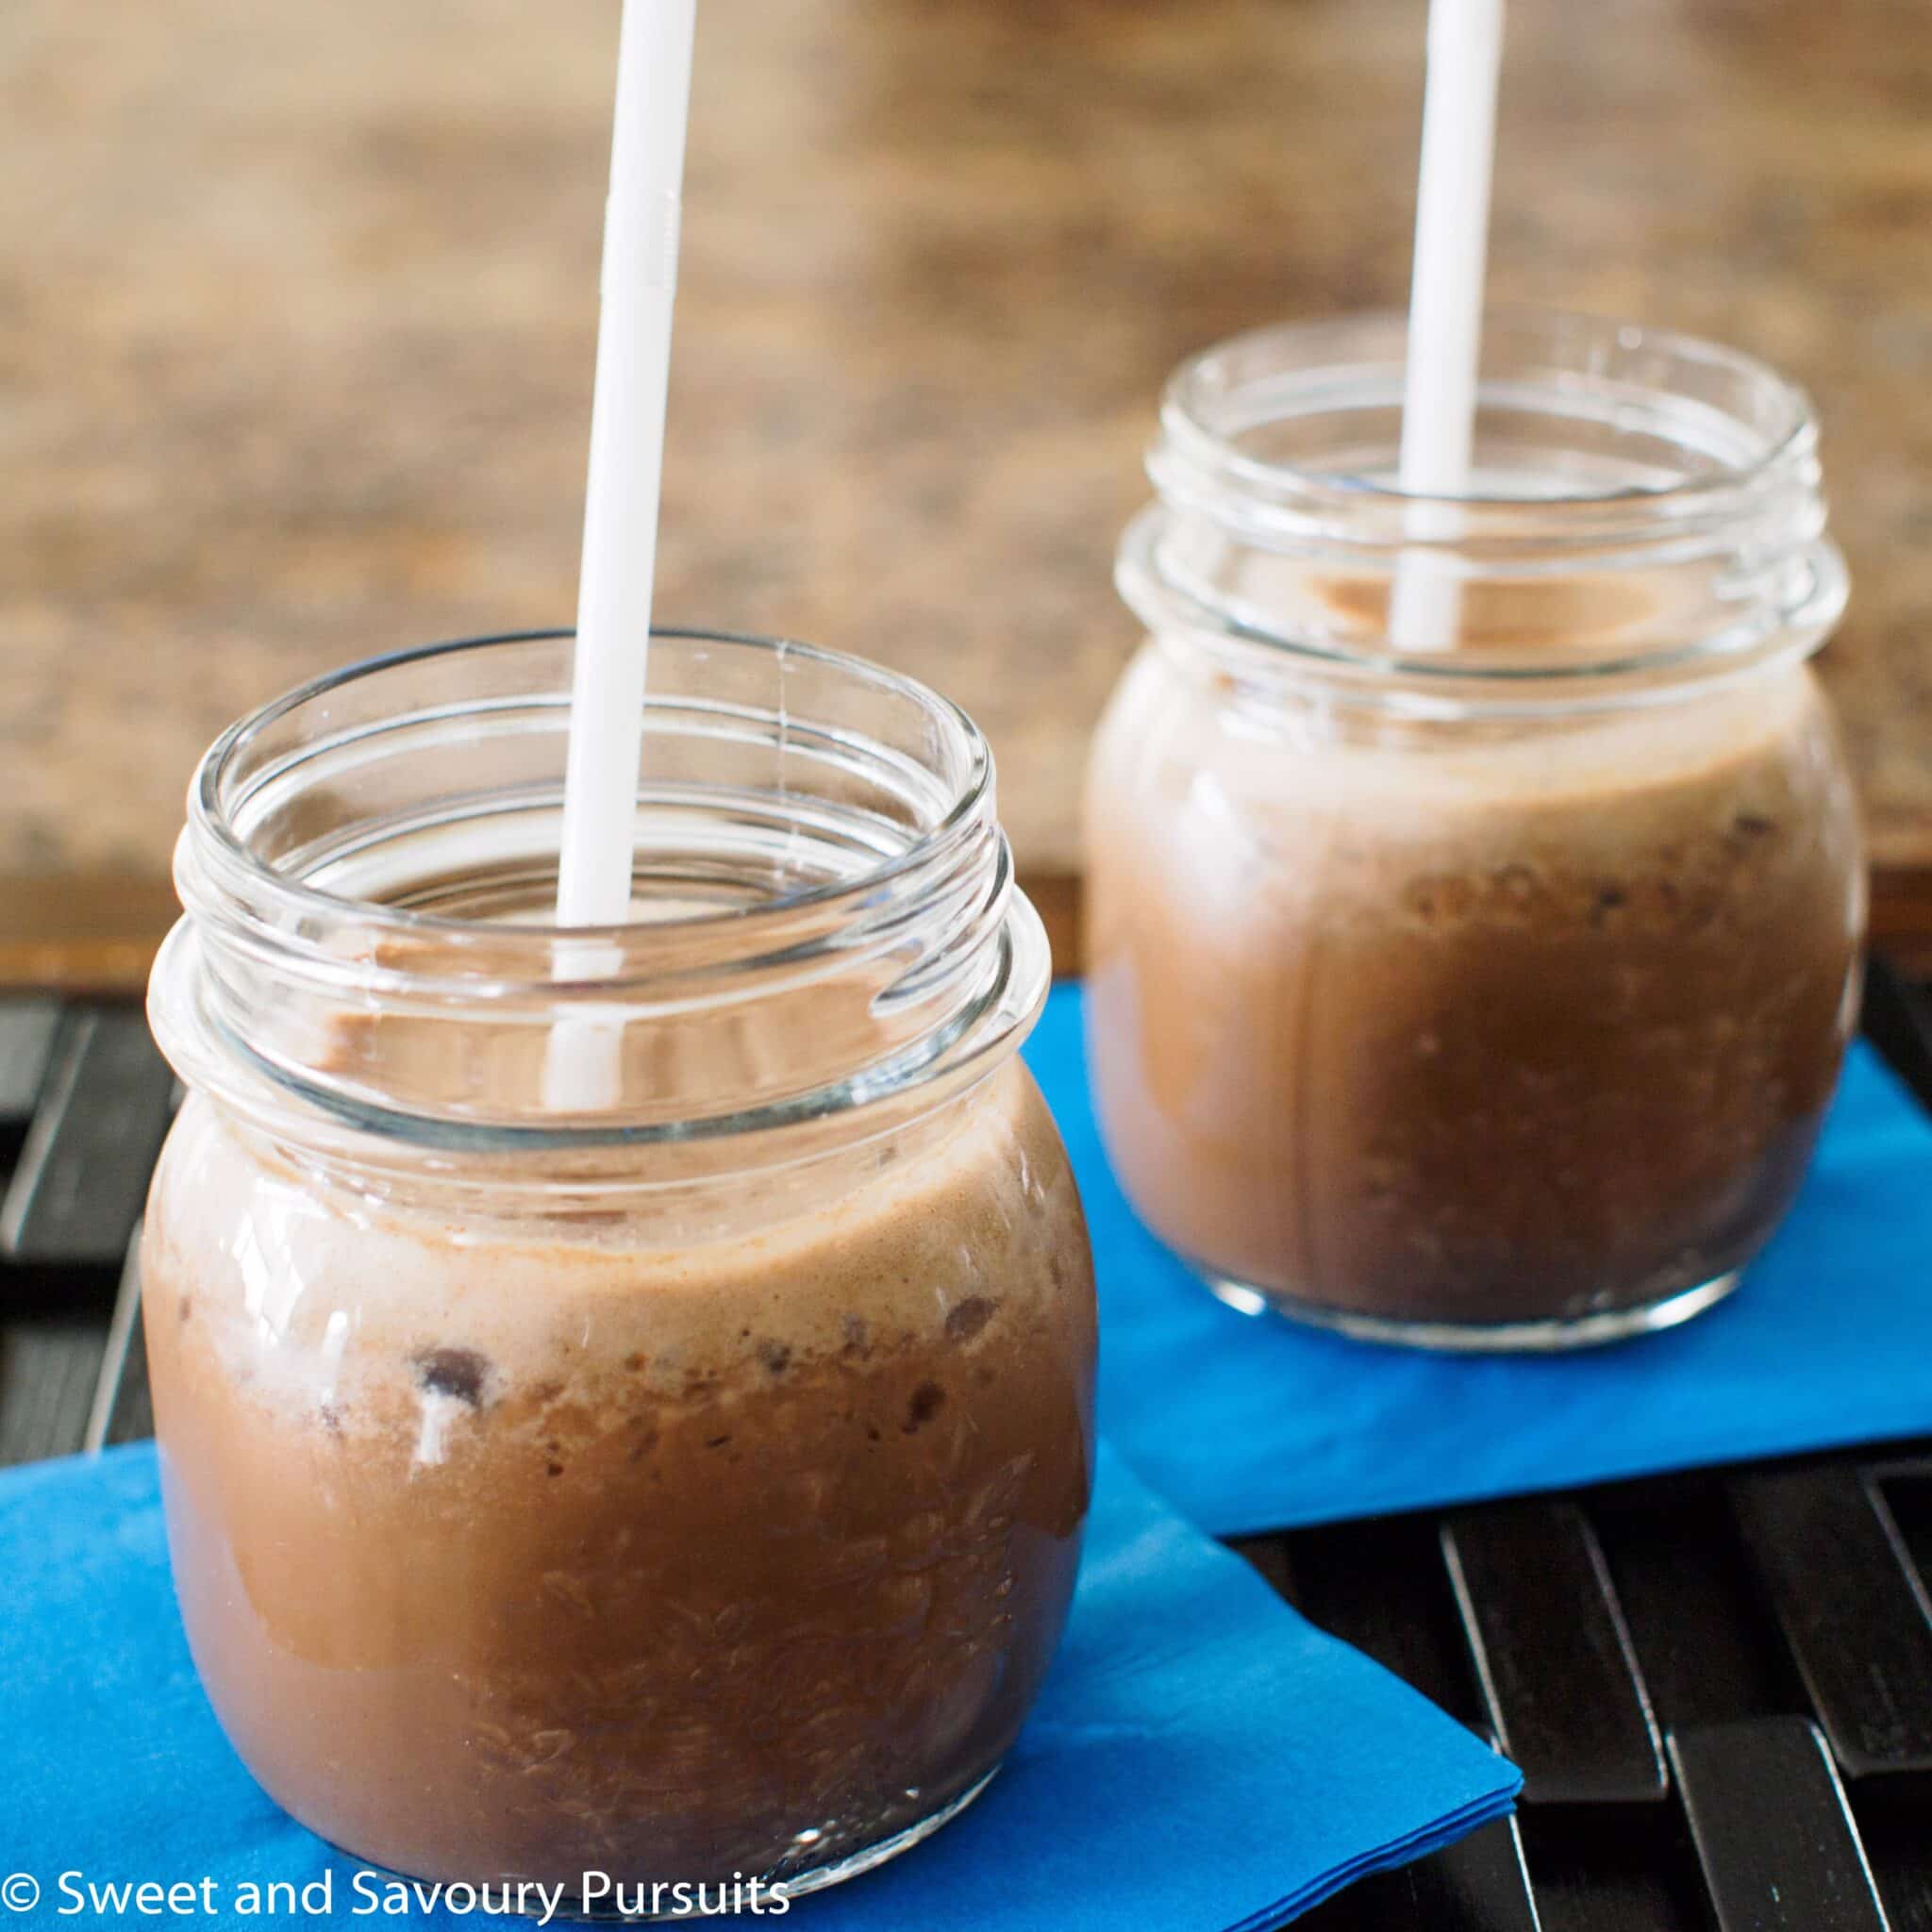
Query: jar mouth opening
1223,393
1644,515
223,788
824,913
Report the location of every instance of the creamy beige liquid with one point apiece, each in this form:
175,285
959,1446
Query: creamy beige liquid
518,1551
1467,1026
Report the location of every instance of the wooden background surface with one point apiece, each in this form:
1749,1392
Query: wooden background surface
297,310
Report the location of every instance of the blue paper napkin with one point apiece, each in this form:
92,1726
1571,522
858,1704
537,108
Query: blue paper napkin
1249,1423
1200,1759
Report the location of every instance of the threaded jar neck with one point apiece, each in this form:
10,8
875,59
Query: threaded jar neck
825,918
1645,514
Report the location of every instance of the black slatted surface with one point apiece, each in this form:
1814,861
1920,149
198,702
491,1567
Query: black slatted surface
78,1186
1774,1836
1567,1701
49,1370
28,1027
1719,1684
1852,1606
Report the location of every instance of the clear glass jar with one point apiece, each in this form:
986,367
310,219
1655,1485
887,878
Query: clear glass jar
686,1488
1489,992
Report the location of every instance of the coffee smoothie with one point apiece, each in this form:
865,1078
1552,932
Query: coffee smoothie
672,1474
1475,887
517,1553
1412,1024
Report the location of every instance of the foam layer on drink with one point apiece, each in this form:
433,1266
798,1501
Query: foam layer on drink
725,1531
1467,1023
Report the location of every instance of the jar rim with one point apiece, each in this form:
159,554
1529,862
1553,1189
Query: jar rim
812,824
211,813
1191,387
1673,480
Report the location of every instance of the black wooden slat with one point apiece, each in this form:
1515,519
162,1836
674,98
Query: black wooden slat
1613,1868
121,1412
1774,1834
1383,1902
1381,1587
1896,1823
1706,1639
1898,1022
48,1369
1907,1487
1268,1556
1851,1606
1552,1652
132,1416
27,1028
1481,1882
83,1173
1478,1884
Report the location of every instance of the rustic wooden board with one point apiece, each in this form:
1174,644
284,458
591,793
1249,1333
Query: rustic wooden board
297,311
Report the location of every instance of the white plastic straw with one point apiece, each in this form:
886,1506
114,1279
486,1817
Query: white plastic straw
639,286
1445,304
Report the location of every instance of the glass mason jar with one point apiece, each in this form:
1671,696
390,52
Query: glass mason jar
1483,988
686,1488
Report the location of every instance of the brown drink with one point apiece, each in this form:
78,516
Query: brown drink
506,1556
1487,988
683,1487
1440,1028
